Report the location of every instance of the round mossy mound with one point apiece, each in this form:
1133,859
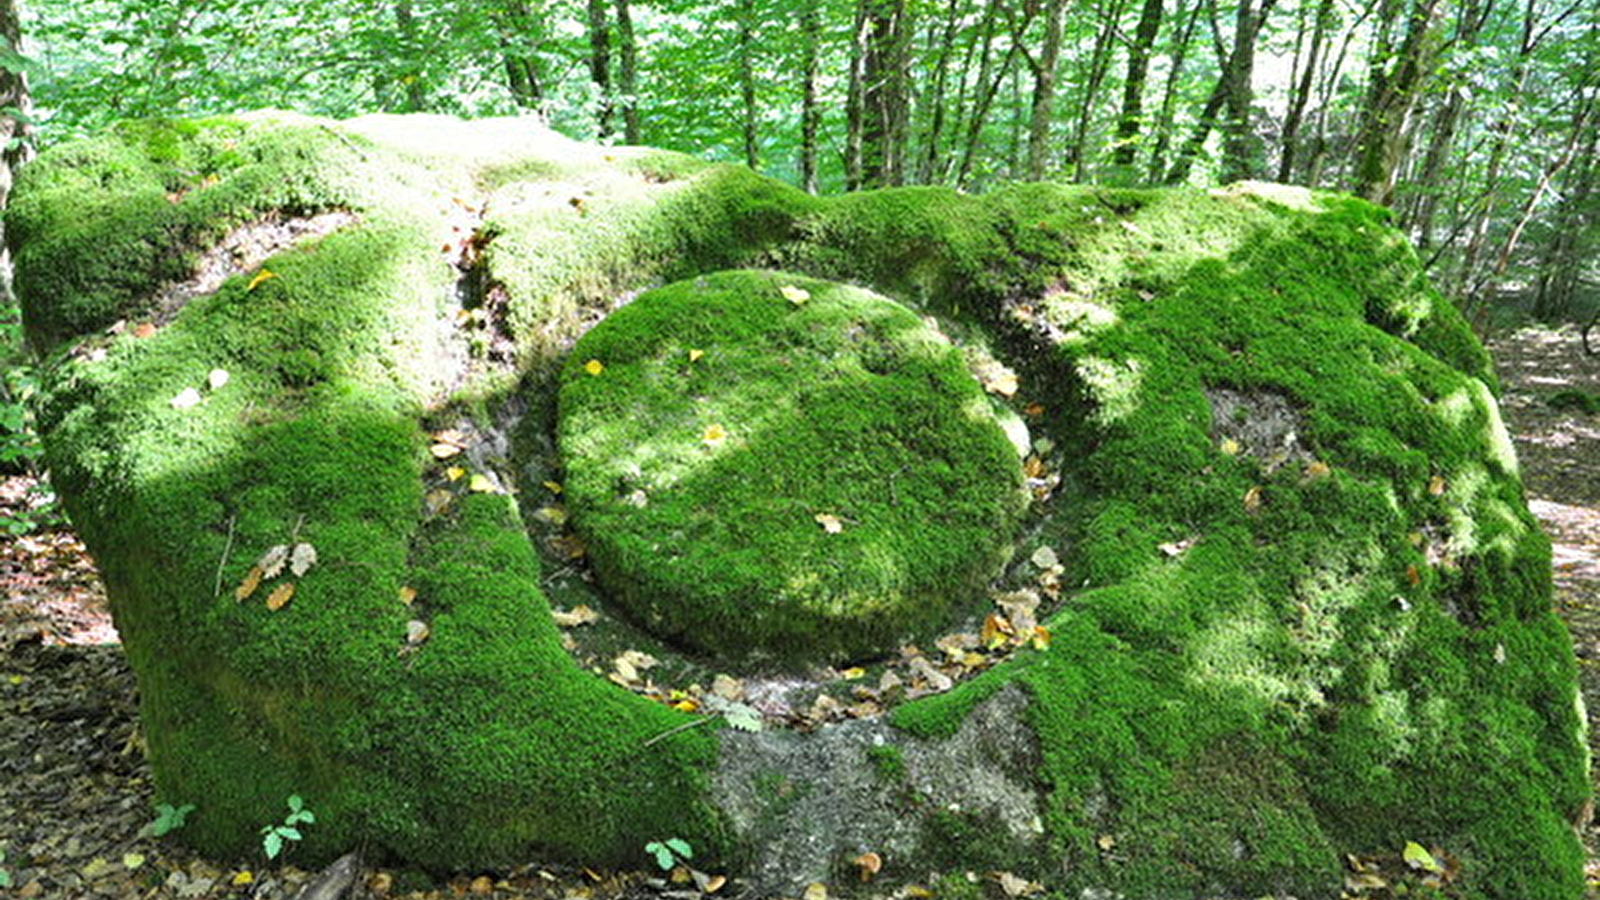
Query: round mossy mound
773,469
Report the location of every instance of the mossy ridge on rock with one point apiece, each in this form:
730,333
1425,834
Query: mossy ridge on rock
708,425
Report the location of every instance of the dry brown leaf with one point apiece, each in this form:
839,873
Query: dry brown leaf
728,688
997,631
1252,499
1437,485
144,329
280,596
1317,470
252,580
579,615
1014,886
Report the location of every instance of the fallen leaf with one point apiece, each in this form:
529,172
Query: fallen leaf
272,561
1317,470
830,523
694,355
454,473
280,596
417,631
217,378
242,879
1500,654
1436,485
1014,886
552,487
188,398
816,890
1033,410
1106,842
1417,857
579,615
480,483
797,296
728,688
1176,548
1041,638
263,275
594,367
1252,499
852,673
408,595
1045,558
936,681
714,435
132,860
444,451
996,631
552,515
708,884
870,864
144,329
1229,447
483,886
302,558
252,580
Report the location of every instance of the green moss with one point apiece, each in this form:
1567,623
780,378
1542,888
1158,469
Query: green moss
1267,656
890,761
707,426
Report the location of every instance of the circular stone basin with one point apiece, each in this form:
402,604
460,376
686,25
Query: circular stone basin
773,469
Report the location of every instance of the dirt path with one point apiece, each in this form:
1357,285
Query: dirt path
75,798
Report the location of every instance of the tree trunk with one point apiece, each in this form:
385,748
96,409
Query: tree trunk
1044,90
1099,66
884,92
600,67
810,110
933,139
1169,101
1131,118
1398,77
1302,91
628,73
1241,151
410,77
855,104
15,130
1420,213
748,114
519,30
984,88
1564,259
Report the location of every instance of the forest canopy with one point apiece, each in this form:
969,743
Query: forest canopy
1473,119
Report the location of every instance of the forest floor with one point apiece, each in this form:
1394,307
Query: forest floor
75,795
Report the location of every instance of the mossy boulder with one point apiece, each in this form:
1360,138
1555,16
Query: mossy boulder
779,468
1293,605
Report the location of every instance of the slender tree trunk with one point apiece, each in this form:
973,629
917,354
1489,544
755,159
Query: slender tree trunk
855,104
628,73
1044,90
884,95
1320,145
411,78
1131,118
1099,67
984,87
1563,262
1302,90
518,31
749,116
933,140
1186,19
1398,77
1446,121
1179,173
600,66
1241,152
810,110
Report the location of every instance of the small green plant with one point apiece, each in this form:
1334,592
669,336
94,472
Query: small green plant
169,818
670,853
5,874
274,837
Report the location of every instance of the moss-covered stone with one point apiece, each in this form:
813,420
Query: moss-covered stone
772,467
1305,609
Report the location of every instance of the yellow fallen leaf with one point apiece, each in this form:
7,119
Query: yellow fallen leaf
579,615
408,595
261,276
714,435
252,580
454,473
280,596
1317,469
1436,485
1229,447
1252,499
479,483
1041,638
694,355
852,673
830,523
242,879
816,890
594,367
132,860
797,296
552,487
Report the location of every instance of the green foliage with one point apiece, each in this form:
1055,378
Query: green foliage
670,853
169,818
275,837
5,874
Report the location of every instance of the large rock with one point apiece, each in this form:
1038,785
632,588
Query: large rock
1294,604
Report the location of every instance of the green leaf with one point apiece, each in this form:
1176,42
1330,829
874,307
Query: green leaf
662,855
1418,858
5,879
295,803
272,844
287,833
681,847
